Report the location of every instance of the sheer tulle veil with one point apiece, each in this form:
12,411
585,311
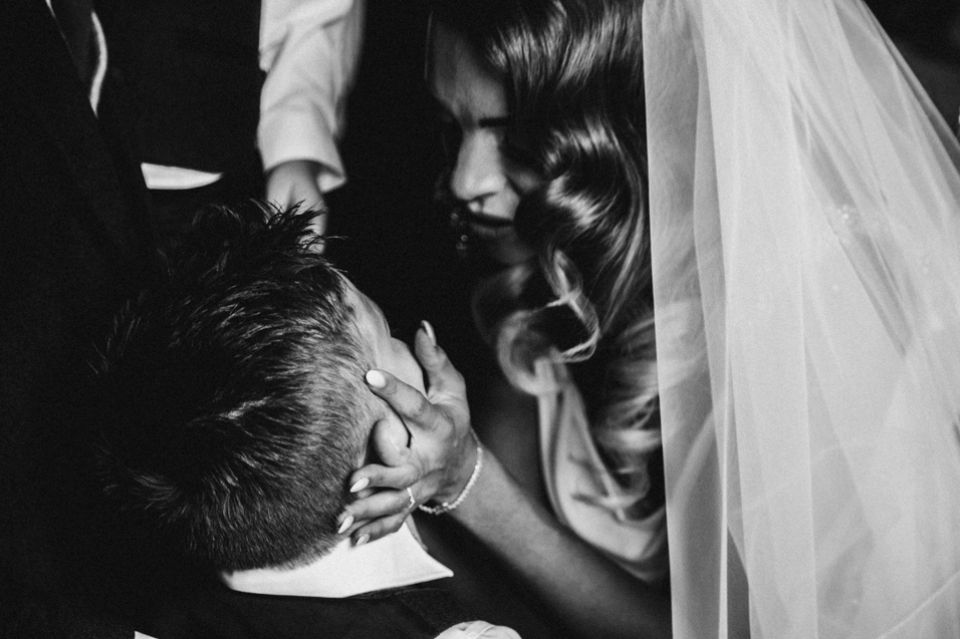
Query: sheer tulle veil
805,228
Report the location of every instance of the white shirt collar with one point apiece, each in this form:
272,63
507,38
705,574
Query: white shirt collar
390,562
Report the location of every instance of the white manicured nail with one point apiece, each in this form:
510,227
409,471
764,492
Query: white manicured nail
360,485
428,329
376,379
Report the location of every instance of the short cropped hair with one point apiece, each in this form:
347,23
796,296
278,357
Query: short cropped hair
233,402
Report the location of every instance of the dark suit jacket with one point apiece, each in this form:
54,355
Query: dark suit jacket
193,72
75,239
418,612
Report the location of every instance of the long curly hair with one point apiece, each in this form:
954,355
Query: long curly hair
574,83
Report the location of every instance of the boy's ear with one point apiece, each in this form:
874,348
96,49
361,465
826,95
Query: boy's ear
390,440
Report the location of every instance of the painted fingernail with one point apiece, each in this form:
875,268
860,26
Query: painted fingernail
376,379
428,329
362,539
360,485
345,524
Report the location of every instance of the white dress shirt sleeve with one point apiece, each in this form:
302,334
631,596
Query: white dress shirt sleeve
309,50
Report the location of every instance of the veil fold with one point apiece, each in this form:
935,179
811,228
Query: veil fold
805,230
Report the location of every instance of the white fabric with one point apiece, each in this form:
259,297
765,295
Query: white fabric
171,178
478,630
570,466
393,561
804,202
100,71
100,68
389,562
310,50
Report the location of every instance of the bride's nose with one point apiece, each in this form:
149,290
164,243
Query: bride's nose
478,173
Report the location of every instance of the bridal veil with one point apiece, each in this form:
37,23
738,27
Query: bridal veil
805,228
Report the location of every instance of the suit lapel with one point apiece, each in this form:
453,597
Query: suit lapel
46,71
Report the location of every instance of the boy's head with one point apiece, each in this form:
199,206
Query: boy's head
233,394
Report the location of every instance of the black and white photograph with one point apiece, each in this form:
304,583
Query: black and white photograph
480,319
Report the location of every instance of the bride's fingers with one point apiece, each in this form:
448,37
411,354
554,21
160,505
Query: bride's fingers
377,476
407,401
384,503
441,373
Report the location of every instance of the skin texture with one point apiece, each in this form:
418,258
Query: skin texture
295,183
422,454
391,440
387,353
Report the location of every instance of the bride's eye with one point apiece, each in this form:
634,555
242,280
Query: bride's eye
515,151
520,165
516,157
449,132
451,136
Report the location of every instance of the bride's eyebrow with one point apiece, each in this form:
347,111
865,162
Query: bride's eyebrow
492,123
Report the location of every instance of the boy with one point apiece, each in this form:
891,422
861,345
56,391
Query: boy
235,409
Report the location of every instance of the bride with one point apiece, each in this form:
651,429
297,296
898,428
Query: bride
804,233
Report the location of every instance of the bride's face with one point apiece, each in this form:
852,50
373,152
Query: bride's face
474,106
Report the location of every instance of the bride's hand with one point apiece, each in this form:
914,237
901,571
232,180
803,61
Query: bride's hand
437,463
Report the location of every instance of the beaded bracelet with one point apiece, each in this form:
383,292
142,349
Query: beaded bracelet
446,507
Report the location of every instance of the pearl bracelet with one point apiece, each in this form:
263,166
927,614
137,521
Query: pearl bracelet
446,507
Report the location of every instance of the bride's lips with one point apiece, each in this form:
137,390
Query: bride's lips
497,235
488,227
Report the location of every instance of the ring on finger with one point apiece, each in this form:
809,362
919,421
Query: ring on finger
413,502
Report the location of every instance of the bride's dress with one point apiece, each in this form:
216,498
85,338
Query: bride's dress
805,225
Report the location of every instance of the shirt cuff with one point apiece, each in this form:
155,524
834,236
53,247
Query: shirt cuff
301,134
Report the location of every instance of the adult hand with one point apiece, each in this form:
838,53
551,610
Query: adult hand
436,462
294,183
